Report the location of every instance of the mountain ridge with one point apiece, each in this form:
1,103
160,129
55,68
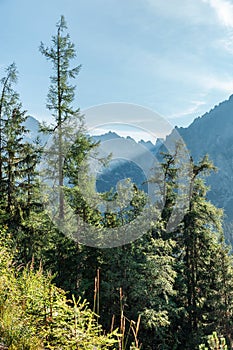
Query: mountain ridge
211,133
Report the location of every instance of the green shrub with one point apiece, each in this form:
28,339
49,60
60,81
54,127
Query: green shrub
35,314
214,343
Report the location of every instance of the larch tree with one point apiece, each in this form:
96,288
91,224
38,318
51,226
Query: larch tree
70,146
61,93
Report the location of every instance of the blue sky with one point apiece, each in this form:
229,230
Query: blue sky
174,57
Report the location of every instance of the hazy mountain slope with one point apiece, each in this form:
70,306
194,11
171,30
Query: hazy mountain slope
213,134
210,134
33,126
127,161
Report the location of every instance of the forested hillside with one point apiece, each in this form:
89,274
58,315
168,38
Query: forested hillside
167,289
212,134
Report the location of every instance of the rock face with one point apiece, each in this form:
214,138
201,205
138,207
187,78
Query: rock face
212,134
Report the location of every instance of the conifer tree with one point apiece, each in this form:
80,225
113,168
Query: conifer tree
61,93
70,147
17,158
8,99
203,283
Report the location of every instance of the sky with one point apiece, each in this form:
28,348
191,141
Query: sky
173,57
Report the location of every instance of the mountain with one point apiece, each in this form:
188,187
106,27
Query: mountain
33,126
212,134
147,144
130,159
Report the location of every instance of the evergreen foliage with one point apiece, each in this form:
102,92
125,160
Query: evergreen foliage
169,289
61,93
214,343
35,314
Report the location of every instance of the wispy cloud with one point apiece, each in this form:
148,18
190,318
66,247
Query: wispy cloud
217,83
195,105
196,11
224,13
187,70
223,10
226,43
187,10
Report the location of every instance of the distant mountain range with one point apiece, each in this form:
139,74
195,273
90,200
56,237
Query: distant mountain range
130,159
210,134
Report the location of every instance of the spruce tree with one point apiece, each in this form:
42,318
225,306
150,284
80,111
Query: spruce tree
8,99
202,299
203,266
18,158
